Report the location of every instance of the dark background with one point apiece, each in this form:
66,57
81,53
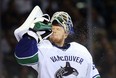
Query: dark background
96,31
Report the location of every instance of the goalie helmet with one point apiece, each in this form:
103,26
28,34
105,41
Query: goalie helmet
64,20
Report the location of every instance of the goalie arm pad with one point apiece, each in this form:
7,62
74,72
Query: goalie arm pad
26,51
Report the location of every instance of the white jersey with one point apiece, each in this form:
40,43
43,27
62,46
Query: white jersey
74,62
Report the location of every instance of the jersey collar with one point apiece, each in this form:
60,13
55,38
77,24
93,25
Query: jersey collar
65,47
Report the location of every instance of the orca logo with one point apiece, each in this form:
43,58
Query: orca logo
66,71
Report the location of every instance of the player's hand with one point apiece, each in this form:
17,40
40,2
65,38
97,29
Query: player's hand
41,26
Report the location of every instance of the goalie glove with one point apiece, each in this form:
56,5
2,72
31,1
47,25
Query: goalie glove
20,31
33,21
40,28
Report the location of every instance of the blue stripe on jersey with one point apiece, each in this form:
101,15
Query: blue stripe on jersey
26,47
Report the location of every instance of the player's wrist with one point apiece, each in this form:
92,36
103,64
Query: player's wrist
33,34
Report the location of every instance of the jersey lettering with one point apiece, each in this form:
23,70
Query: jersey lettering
67,58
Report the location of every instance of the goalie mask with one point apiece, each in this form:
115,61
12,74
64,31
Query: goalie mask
64,20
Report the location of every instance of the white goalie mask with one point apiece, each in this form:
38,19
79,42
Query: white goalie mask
64,20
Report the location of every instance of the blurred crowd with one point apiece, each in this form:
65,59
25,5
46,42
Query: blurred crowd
103,13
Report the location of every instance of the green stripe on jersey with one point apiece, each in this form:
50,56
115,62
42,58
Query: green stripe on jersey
29,60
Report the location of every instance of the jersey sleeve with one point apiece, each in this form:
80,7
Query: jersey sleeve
26,51
92,71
